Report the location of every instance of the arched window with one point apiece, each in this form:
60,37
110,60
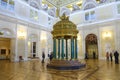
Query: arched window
34,4
89,15
89,6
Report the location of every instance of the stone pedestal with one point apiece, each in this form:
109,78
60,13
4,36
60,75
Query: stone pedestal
65,64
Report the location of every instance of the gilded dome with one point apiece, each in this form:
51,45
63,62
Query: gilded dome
64,28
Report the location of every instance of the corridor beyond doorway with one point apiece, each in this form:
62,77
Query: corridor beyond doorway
5,48
91,46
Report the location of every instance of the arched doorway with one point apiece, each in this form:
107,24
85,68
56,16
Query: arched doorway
91,46
7,44
5,48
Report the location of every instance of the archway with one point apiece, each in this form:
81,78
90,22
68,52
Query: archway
91,46
7,44
5,48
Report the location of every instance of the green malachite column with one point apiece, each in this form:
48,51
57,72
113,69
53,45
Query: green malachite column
72,48
54,48
76,54
66,49
58,48
62,54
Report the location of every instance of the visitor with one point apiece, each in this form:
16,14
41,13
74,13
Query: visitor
116,55
43,57
94,55
48,55
34,55
111,56
86,55
107,56
51,56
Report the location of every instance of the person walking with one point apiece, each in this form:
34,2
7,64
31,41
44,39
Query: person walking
116,55
43,57
111,56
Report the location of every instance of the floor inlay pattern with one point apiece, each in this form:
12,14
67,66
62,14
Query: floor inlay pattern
35,70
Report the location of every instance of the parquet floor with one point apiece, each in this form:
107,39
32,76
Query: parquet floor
35,70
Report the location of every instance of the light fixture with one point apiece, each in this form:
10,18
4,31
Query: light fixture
107,35
78,38
21,34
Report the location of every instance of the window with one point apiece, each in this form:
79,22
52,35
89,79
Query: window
90,16
4,3
118,8
11,5
86,16
7,4
50,21
34,15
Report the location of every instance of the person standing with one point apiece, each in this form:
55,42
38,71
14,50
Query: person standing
43,57
94,55
107,56
51,56
86,55
111,56
116,55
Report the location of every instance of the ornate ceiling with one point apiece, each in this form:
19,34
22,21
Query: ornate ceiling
60,3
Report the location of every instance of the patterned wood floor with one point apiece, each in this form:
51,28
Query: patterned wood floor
34,70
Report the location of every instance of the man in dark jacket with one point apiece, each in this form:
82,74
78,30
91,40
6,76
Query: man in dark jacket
43,57
116,55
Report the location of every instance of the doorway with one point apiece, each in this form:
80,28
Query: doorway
33,49
5,48
32,46
91,46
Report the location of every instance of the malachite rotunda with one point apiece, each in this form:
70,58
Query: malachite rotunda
63,31
64,34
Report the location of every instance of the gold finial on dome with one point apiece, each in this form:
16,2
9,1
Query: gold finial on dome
64,17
